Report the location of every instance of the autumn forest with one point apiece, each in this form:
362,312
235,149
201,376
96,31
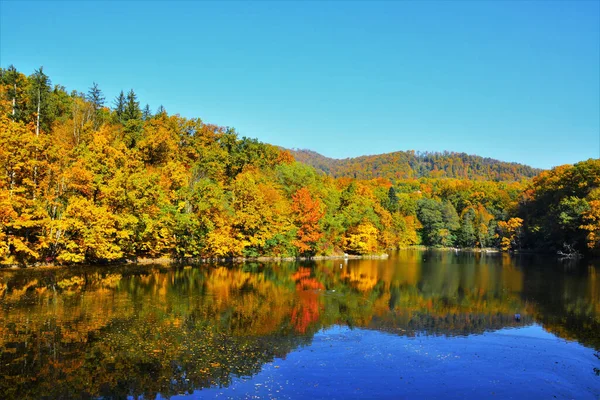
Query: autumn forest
84,179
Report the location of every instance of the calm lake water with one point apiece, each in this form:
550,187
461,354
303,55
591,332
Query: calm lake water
417,325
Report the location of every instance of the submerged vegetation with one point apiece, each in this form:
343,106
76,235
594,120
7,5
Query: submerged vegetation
81,182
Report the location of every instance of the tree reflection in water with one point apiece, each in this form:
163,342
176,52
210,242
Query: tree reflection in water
140,330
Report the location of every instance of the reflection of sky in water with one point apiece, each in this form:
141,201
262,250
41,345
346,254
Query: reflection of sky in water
531,331
342,363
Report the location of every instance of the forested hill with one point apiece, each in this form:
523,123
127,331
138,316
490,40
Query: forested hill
409,164
81,182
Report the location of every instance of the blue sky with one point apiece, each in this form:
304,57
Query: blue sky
517,81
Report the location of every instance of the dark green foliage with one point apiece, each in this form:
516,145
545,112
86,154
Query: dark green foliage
466,233
146,113
429,213
392,200
15,84
59,104
554,211
95,97
119,106
132,107
39,94
245,151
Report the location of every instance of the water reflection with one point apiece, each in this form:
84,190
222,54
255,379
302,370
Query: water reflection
142,330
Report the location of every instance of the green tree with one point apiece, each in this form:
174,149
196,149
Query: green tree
392,200
132,119
16,84
429,213
466,233
146,113
39,93
132,107
119,106
96,97
451,224
553,209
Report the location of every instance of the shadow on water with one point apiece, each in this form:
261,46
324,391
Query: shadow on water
149,330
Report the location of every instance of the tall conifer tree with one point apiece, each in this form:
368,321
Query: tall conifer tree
119,104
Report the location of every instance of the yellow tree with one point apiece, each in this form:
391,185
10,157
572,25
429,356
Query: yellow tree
510,232
7,214
159,141
88,233
261,219
361,239
591,224
22,172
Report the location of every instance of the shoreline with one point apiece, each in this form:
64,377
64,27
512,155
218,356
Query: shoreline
202,260
240,260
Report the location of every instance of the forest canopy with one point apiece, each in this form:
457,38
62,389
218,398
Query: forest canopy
83,180
411,164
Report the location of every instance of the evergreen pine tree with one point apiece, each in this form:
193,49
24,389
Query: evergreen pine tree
39,93
392,200
10,78
95,97
146,114
120,106
132,107
466,233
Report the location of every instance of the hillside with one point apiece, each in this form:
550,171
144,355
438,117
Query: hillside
409,164
84,183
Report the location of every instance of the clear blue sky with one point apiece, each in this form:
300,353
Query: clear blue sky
517,81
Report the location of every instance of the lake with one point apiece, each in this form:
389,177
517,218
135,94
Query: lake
420,324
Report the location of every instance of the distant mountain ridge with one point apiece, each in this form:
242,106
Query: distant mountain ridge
411,164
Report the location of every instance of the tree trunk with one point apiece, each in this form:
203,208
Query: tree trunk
37,133
75,110
14,99
37,128
12,183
